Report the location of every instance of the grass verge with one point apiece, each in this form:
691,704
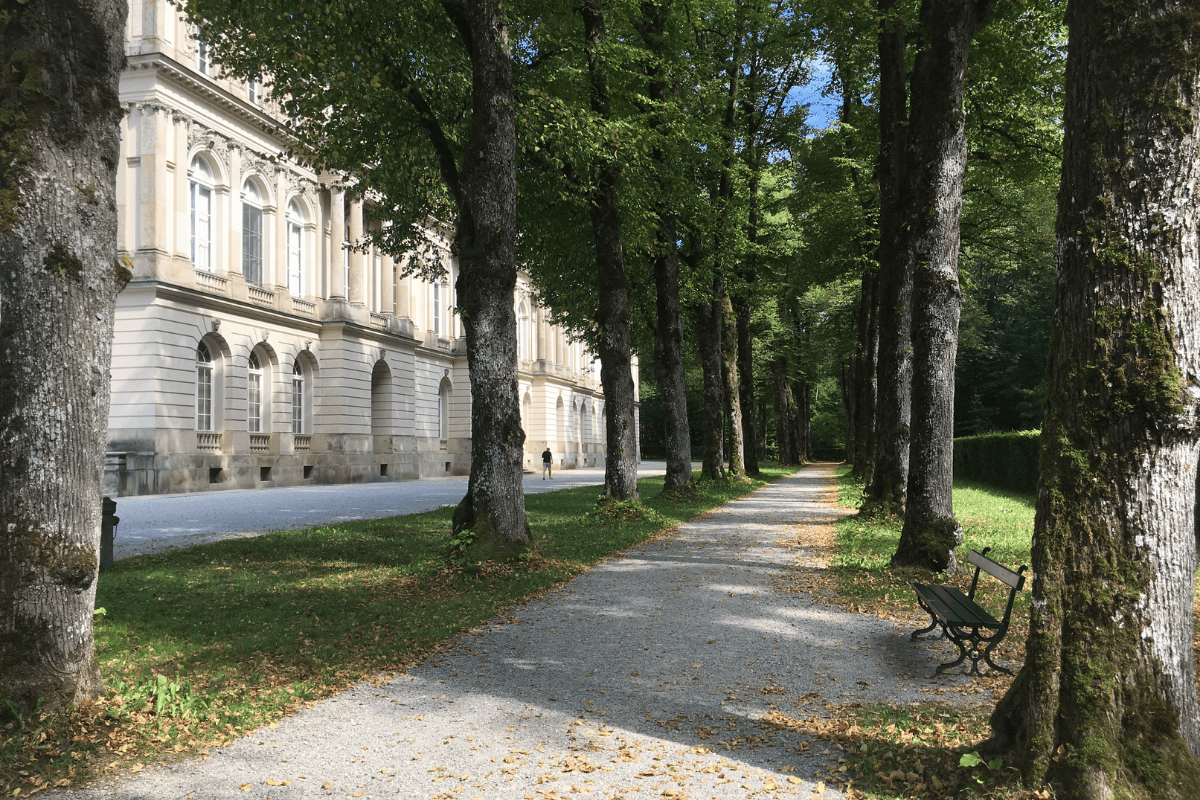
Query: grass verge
203,645
926,750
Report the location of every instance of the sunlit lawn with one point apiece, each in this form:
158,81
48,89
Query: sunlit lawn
202,645
901,750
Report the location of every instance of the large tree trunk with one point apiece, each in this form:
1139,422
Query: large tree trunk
485,239
801,430
889,480
733,401
614,343
745,371
1105,704
863,382
845,379
937,164
707,319
668,329
59,279
781,406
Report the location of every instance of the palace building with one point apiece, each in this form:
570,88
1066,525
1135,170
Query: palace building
254,346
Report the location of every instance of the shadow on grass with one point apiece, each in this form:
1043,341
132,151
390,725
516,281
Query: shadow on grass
200,645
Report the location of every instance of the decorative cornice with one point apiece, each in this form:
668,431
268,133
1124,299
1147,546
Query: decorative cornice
171,71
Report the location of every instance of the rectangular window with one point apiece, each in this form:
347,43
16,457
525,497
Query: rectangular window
295,260
252,218
203,58
254,402
201,227
254,91
297,404
204,398
437,309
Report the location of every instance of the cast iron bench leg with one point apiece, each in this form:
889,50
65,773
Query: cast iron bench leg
918,634
962,653
987,656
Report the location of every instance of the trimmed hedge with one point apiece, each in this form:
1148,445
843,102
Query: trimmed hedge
1007,460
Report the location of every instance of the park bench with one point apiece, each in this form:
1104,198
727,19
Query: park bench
965,622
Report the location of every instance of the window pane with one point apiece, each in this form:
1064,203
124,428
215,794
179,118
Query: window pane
254,400
203,397
201,227
297,405
295,260
252,244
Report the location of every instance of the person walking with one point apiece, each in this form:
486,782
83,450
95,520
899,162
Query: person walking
547,462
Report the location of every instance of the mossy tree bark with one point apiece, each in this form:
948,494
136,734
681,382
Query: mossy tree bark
889,478
614,342
485,191
1105,705
59,279
936,165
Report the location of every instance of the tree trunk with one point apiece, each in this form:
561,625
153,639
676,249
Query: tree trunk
707,318
668,330
1105,704
733,401
863,385
612,317
59,279
889,481
745,371
938,146
485,239
848,404
782,407
800,426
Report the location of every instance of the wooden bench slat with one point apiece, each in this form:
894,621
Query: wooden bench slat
962,620
967,611
997,571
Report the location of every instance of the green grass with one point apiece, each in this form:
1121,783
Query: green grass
199,646
995,518
914,751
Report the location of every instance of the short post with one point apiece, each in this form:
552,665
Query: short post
108,531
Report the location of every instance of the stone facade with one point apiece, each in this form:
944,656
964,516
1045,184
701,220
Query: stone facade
253,348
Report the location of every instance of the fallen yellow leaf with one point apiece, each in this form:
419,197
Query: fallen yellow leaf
245,787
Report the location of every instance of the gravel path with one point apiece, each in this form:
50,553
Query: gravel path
676,670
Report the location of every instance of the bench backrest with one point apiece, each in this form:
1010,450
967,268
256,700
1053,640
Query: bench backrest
998,571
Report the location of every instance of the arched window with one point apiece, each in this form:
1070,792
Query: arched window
204,388
298,421
200,195
295,249
254,396
252,234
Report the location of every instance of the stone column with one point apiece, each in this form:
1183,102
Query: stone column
234,265
337,203
404,297
183,209
279,261
357,279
